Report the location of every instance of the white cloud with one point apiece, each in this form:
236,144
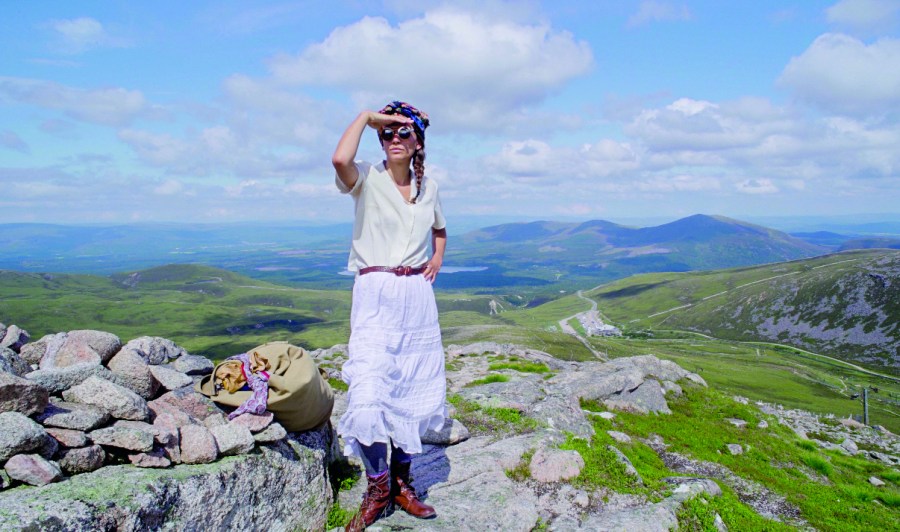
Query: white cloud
81,34
692,149
11,141
842,74
691,124
49,194
756,186
220,150
656,11
113,106
463,69
865,15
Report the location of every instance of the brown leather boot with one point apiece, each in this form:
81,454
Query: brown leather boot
404,494
374,504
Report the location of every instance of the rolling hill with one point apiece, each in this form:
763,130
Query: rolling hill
601,250
845,305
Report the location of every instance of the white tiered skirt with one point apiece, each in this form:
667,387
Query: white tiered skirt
395,366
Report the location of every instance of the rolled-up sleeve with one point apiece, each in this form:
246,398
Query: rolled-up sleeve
439,221
362,170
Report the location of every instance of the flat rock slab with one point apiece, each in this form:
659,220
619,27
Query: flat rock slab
193,365
68,437
170,379
119,401
57,380
73,416
254,422
295,496
185,402
273,433
468,487
133,439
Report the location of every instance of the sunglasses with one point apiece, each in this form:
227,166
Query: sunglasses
404,132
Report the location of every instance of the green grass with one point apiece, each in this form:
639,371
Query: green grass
602,467
808,445
818,463
342,477
697,428
338,384
491,421
521,366
487,380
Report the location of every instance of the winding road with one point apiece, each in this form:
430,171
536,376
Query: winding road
568,329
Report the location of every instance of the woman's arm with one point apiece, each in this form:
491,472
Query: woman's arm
438,245
345,153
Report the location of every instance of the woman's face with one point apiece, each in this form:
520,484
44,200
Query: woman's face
398,148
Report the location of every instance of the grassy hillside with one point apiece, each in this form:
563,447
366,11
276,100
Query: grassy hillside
845,305
207,310
218,313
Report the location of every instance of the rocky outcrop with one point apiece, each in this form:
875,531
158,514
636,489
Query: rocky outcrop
95,402
470,480
284,486
173,468
92,405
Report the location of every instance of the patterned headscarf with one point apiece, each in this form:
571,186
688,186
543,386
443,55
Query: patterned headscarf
420,119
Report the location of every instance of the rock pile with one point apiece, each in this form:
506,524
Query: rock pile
73,402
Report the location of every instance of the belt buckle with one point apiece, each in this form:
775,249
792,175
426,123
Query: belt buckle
404,270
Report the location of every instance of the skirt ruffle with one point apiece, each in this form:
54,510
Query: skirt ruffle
395,366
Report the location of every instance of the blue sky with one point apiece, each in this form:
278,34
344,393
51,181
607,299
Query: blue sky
229,111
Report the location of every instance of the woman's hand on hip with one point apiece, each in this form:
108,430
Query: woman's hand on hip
432,269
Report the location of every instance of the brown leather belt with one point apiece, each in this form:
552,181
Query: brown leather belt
399,270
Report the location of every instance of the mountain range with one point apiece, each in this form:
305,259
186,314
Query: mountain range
539,256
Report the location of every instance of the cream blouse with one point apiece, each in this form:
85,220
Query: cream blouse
388,231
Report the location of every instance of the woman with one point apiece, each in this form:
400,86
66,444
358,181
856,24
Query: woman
395,367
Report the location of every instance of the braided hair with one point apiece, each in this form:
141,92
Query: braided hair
420,122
